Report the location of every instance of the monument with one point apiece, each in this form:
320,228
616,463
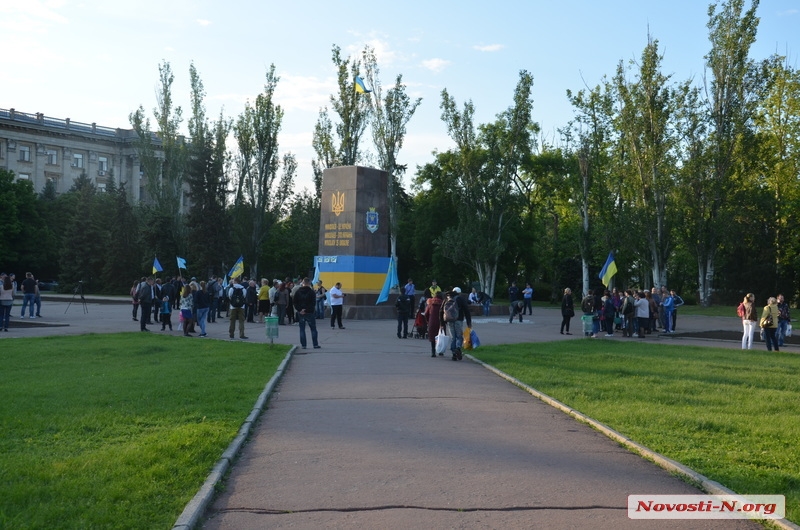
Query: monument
354,236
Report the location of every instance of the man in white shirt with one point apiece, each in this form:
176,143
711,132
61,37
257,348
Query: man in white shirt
337,299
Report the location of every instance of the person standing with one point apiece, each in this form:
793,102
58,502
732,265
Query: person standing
527,298
147,296
677,301
252,301
202,305
281,301
337,300
608,313
567,310
783,319
642,305
28,294
135,299
168,291
587,306
769,323
320,297
434,288
6,301
237,297
166,313
410,289
263,300
433,307
187,309
211,289
667,307
749,316
454,310
305,302
37,300
405,306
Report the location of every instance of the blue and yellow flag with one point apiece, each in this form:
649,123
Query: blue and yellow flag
361,88
181,263
237,269
608,270
156,266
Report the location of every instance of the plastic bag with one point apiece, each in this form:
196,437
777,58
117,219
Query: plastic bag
442,342
474,340
467,343
788,330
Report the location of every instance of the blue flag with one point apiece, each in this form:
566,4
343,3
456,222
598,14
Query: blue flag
157,266
608,270
181,263
361,88
391,281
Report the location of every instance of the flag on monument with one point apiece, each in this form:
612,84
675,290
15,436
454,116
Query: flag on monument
181,263
608,270
156,266
238,268
391,281
361,88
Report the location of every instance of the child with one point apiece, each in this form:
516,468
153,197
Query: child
166,312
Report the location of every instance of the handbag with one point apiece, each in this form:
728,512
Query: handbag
474,340
467,342
442,342
766,322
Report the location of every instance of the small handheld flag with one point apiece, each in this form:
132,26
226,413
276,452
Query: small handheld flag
181,263
361,88
608,270
156,266
238,268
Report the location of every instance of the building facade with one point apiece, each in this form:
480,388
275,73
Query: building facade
41,149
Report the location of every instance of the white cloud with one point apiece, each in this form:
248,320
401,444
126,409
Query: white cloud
203,22
435,65
489,47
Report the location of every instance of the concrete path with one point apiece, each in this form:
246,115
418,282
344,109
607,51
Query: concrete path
371,432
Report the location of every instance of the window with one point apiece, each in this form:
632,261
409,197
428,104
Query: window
101,188
24,153
102,164
77,160
52,157
23,176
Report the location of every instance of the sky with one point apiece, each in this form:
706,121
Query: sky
97,60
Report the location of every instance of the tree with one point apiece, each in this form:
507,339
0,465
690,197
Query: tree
645,123
731,107
260,194
389,118
207,219
484,169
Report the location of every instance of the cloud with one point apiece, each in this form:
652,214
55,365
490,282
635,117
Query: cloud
435,65
203,22
489,47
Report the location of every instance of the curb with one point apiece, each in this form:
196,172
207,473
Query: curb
196,507
703,482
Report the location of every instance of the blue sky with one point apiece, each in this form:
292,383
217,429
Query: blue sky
97,60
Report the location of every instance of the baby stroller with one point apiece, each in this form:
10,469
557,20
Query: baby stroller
420,326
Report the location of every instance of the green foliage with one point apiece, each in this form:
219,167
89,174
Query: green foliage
102,431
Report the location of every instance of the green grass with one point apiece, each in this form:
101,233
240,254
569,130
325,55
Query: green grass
118,431
732,415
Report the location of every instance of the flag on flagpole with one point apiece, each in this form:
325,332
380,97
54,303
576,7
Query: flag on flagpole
157,266
237,269
391,281
181,263
608,270
361,88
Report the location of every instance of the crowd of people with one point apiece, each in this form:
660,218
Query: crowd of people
634,313
198,303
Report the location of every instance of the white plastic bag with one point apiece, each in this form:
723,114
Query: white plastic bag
788,330
442,342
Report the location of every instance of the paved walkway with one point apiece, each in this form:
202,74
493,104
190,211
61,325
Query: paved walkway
371,432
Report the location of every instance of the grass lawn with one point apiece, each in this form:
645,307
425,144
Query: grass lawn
118,431
732,415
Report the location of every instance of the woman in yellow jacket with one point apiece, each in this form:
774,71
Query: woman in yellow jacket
769,323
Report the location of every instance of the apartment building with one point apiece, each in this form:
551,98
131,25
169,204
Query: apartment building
41,149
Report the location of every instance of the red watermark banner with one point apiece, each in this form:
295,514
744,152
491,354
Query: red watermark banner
706,506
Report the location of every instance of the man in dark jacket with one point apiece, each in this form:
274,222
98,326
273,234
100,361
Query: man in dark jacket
305,303
405,307
454,310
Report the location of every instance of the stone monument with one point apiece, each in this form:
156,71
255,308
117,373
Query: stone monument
354,234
